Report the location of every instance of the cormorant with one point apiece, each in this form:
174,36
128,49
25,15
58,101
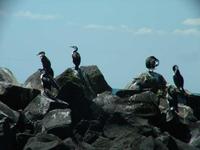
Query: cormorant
178,78
76,57
151,62
46,64
47,82
47,74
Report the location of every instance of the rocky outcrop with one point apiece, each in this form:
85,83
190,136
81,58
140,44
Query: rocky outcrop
89,78
85,115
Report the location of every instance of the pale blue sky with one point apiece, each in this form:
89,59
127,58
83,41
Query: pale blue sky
115,35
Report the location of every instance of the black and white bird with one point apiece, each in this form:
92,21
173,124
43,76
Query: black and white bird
46,64
76,57
151,62
47,74
178,78
47,82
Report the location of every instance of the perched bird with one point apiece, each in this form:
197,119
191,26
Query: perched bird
76,57
151,63
46,63
47,82
178,78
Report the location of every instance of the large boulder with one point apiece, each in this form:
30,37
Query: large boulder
7,76
57,122
16,97
140,105
73,94
40,105
34,81
89,78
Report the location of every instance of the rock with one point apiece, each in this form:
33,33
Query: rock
16,97
102,143
195,132
8,112
94,78
177,129
7,76
89,78
34,81
69,144
186,114
88,131
133,141
184,146
42,141
127,93
57,122
143,105
40,105
148,80
193,101
7,134
73,94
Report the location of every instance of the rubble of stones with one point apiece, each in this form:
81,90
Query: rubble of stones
86,115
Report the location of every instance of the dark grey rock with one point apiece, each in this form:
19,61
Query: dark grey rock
7,134
57,122
8,112
143,105
89,78
193,100
40,105
16,97
73,94
42,142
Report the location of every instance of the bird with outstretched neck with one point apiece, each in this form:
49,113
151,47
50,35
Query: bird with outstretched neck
76,58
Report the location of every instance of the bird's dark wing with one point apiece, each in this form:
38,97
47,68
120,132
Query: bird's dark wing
76,58
46,62
181,81
176,81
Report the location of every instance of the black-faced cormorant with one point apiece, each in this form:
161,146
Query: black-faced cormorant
46,64
151,63
178,78
76,57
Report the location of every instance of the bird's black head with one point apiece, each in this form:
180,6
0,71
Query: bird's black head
41,53
75,48
175,68
151,62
